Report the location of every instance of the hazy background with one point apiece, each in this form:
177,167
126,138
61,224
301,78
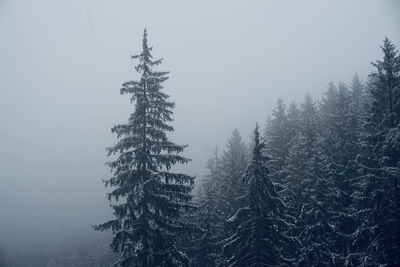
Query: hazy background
62,64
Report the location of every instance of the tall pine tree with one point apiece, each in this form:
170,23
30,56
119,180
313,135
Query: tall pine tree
149,198
378,233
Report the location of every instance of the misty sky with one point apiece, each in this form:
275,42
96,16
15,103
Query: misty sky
62,64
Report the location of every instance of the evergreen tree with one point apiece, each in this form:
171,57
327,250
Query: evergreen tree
149,198
233,164
206,243
220,198
300,152
293,121
278,137
261,231
357,104
340,148
318,220
345,165
378,196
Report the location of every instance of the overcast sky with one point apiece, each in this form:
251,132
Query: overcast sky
62,64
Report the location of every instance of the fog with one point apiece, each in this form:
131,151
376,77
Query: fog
62,64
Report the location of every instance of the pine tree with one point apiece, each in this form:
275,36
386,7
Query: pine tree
378,195
278,137
221,192
345,165
233,164
261,231
357,104
206,245
149,198
293,121
340,148
300,152
318,221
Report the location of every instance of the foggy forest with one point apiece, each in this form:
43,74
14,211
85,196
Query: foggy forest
209,134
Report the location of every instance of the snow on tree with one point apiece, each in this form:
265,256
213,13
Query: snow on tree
278,137
149,198
233,164
358,100
378,194
300,152
318,220
221,191
261,230
206,248
340,133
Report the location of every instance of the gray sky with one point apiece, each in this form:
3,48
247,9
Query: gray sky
62,64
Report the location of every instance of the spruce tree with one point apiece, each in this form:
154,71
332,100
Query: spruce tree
340,129
221,197
358,100
233,164
278,137
293,119
261,231
318,221
149,198
378,195
300,152
206,248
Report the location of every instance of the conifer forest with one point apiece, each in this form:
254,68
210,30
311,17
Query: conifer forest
236,134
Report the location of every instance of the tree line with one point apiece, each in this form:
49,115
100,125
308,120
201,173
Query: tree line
317,186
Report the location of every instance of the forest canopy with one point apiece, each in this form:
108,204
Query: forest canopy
318,187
